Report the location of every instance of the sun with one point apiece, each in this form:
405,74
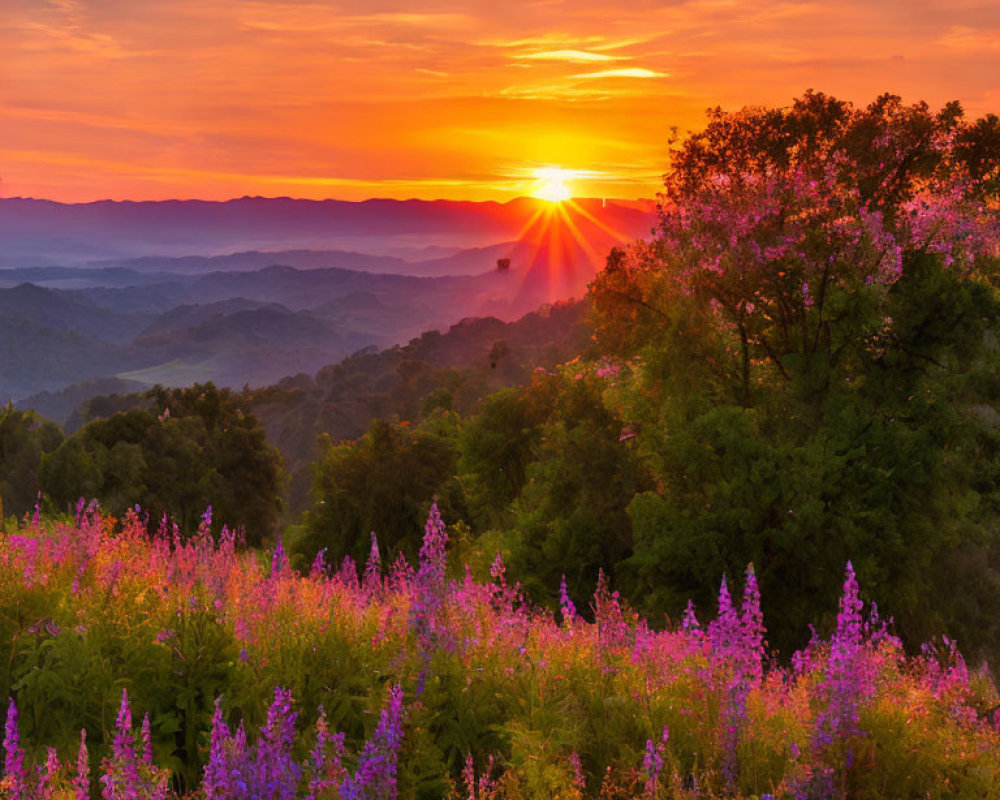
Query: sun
552,184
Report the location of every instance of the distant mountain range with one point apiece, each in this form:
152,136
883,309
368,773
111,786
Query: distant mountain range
133,294
43,232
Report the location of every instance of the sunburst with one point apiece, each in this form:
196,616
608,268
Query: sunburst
553,184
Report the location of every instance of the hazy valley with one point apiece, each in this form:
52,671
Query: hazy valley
102,296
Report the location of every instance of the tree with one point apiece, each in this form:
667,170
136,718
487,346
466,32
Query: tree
570,516
192,448
24,440
497,444
813,333
383,483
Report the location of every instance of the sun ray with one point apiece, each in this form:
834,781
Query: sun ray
579,209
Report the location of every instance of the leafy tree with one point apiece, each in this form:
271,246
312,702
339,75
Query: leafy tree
812,337
497,445
570,515
385,482
24,440
191,448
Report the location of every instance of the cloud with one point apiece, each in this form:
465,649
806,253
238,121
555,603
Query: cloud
573,56
313,18
626,72
964,39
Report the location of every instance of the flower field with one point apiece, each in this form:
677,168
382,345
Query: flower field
144,665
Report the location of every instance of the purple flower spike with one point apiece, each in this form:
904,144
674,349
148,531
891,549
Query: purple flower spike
216,771
431,571
81,783
847,684
469,777
652,764
690,622
121,771
279,559
325,769
47,778
375,778
736,650
752,629
318,568
265,771
123,727
276,775
13,765
372,581
429,594
565,604
147,741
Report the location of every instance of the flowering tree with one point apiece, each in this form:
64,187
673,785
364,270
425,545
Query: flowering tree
809,334
780,231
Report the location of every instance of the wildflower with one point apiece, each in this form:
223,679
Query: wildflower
318,568
81,782
372,581
325,770
121,774
652,763
846,685
375,777
215,783
431,570
47,776
428,594
147,741
579,779
16,776
279,559
263,772
565,604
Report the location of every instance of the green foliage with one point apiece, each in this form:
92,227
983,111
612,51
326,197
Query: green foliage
569,517
497,445
191,449
24,440
449,371
795,411
385,482
878,455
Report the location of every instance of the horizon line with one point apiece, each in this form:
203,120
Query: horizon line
519,198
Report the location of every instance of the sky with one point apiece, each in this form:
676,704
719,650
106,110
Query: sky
215,99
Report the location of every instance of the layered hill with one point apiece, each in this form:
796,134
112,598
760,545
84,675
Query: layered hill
150,312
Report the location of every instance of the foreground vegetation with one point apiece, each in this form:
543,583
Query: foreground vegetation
255,681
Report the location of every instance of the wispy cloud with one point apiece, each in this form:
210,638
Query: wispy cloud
964,39
572,56
626,72
312,18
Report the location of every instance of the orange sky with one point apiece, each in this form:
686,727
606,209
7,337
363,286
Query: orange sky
152,99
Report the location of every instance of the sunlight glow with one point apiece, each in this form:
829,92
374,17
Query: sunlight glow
551,183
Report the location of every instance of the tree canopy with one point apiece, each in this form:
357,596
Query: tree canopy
24,439
184,450
811,341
